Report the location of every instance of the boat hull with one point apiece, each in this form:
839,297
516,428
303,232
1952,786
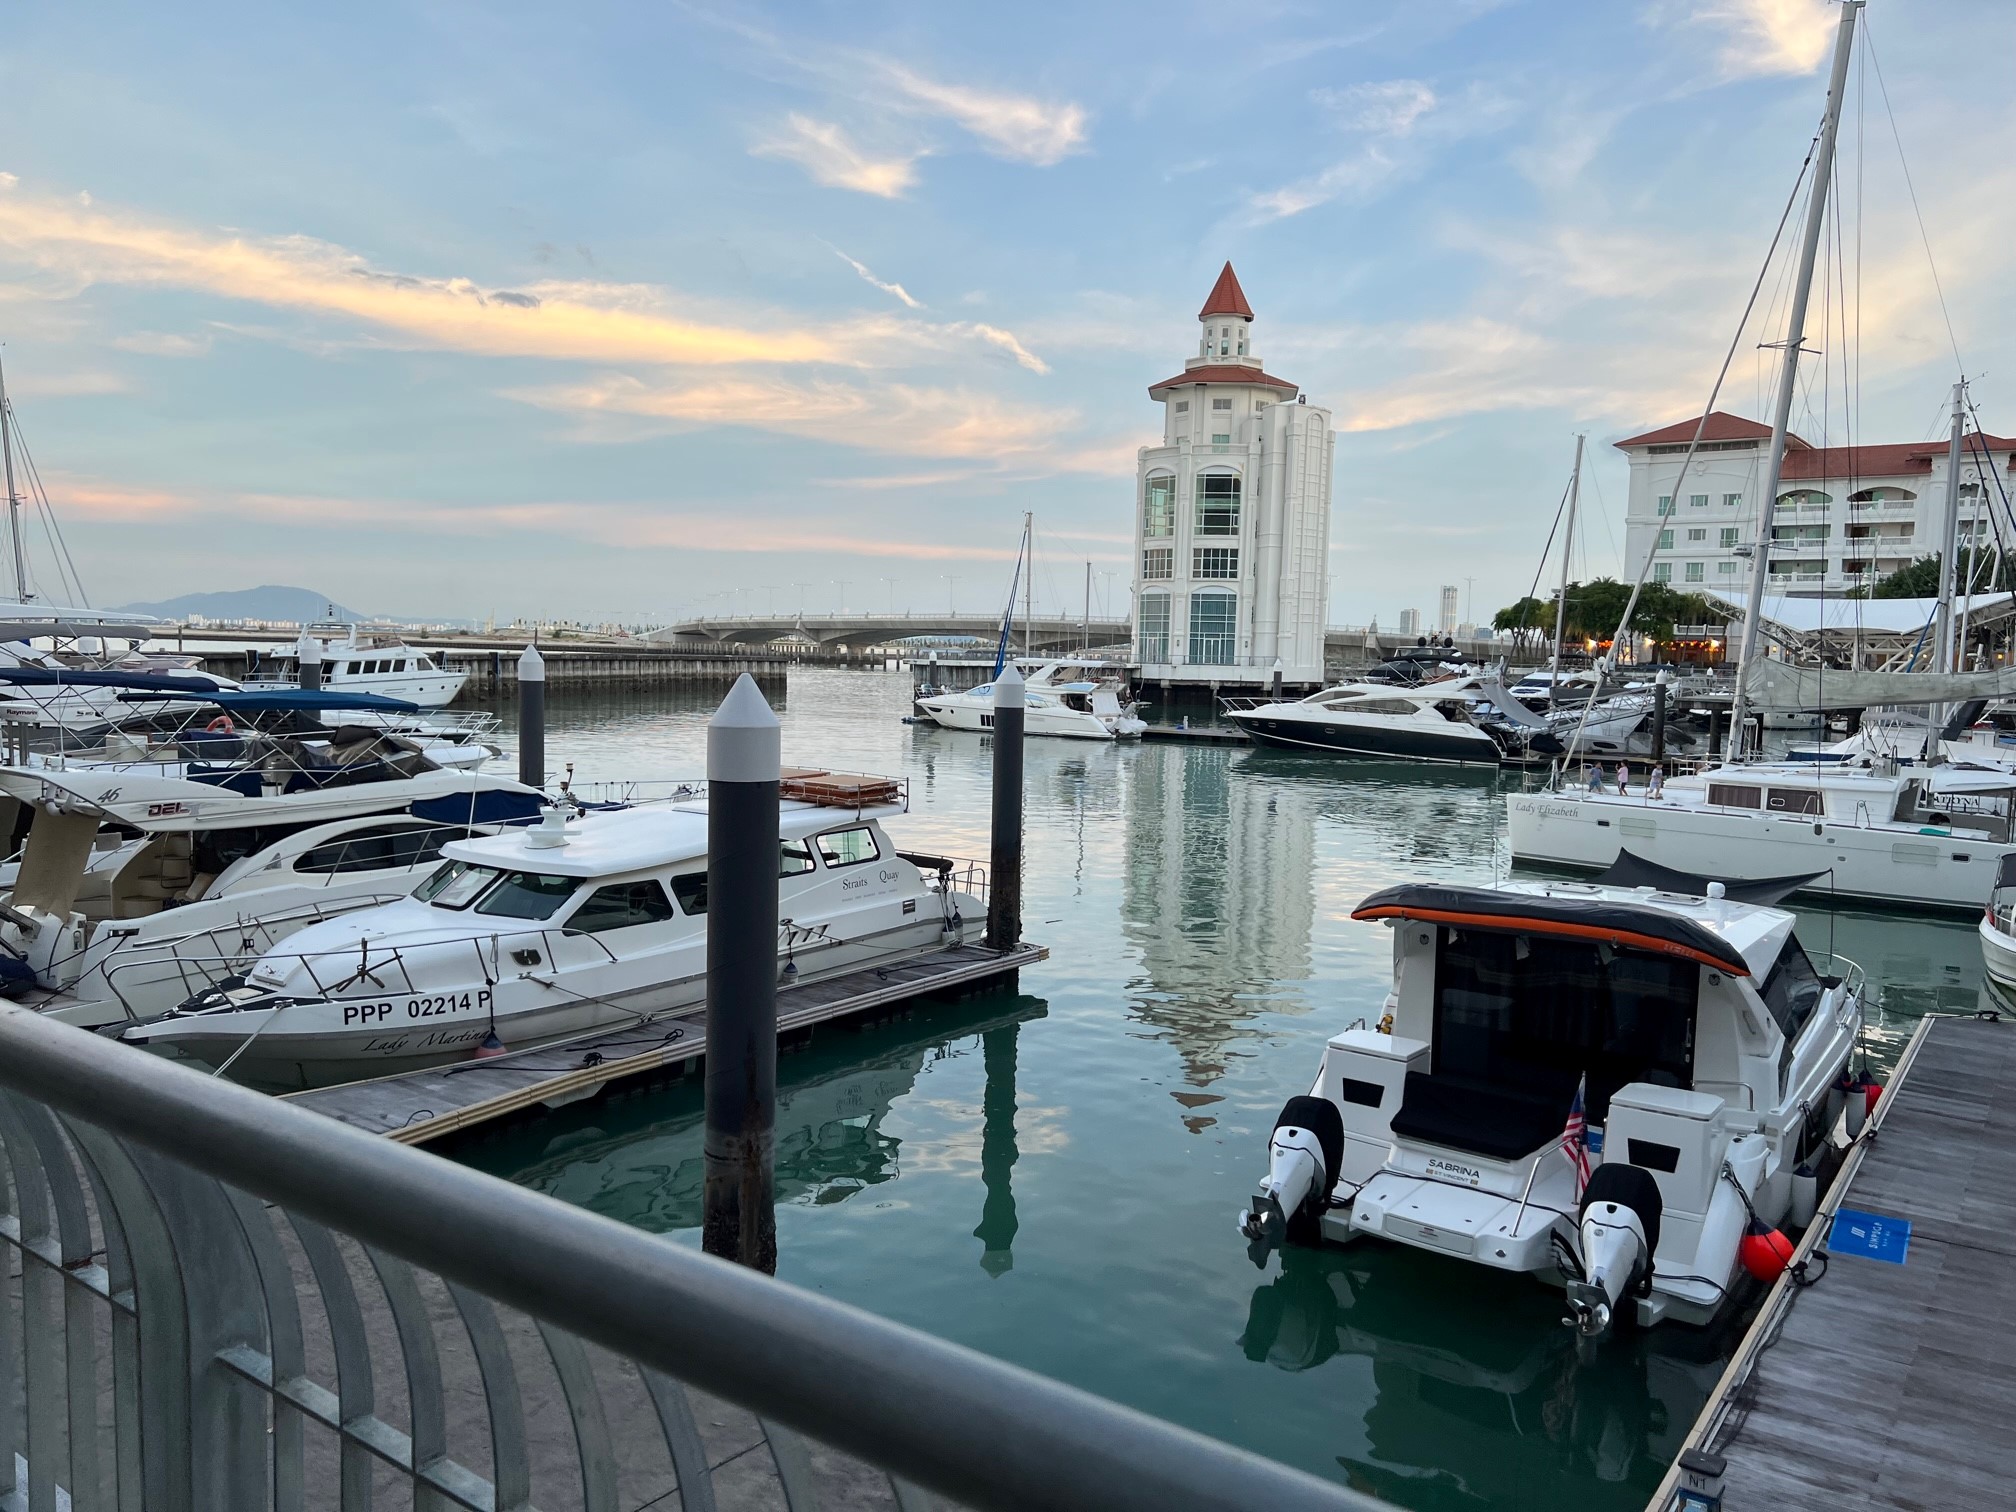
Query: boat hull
1363,740
1067,723
1998,955
1887,866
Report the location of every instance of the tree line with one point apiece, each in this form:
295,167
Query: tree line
1596,607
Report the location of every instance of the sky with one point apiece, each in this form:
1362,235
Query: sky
629,312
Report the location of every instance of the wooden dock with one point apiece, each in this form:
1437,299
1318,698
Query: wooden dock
417,1106
1881,1384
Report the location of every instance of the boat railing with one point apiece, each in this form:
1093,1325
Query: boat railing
1850,975
202,958
943,874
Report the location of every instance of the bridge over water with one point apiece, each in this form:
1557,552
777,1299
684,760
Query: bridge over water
1044,633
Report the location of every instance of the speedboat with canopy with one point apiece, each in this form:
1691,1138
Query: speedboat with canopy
576,924
1606,1088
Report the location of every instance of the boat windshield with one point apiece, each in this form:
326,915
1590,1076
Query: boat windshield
502,894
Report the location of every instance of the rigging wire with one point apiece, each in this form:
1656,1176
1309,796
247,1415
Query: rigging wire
1694,446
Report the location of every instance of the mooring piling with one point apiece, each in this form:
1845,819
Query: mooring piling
1659,690
308,662
744,771
1004,874
532,718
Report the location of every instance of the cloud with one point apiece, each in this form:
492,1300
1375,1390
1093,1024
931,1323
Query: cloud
1357,176
628,525
1766,37
1018,127
823,151
1005,340
898,418
81,246
895,289
1386,109
162,344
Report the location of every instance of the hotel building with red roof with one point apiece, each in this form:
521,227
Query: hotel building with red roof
1846,515
1232,515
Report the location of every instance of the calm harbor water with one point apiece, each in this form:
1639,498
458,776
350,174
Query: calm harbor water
1052,1176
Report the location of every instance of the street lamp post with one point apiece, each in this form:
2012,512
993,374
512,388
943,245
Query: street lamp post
951,581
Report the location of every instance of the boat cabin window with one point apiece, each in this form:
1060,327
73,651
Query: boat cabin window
379,846
795,858
849,847
620,906
1729,795
691,891
353,668
1793,989
1528,1016
455,885
1794,801
422,664
526,895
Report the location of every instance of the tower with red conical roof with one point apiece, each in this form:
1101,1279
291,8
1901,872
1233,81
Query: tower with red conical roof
1232,516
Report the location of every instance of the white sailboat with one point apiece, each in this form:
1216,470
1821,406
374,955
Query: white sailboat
1916,837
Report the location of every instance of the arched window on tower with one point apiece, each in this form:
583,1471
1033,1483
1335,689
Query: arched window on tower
1158,505
1214,628
1151,629
1217,504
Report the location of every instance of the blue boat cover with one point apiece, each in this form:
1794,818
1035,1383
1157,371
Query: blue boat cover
66,677
299,700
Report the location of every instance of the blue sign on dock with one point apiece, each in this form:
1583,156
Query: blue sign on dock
1870,1235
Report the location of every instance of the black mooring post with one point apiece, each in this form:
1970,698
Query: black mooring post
1004,879
532,718
1659,721
744,766
1275,692
1714,731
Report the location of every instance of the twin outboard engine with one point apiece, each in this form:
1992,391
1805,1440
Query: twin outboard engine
1619,1231
1303,1161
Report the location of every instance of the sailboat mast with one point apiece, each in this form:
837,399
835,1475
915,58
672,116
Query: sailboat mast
1788,368
1945,657
1567,548
13,499
1029,588
1088,609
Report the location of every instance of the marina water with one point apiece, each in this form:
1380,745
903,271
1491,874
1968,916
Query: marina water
1053,1176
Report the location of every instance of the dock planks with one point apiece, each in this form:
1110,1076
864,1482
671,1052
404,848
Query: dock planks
417,1106
1888,1386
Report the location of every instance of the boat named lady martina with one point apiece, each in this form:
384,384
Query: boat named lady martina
1597,1086
573,925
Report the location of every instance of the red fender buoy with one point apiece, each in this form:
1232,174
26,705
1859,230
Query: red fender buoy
1870,1088
1764,1252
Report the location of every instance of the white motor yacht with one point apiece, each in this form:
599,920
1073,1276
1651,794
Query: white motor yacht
1923,837
1079,709
135,890
357,658
1435,722
1691,1037
570,926
1998,926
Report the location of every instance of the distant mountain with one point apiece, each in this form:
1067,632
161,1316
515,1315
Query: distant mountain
300,605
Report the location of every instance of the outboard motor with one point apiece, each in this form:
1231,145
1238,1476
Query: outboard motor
1303,1161
1619,1228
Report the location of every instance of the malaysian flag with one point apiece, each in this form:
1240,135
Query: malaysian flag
1575,1138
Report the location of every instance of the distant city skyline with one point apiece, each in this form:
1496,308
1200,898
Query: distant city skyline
439,309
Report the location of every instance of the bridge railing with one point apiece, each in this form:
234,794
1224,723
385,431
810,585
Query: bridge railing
221,1302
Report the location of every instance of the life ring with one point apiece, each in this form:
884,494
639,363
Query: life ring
222,725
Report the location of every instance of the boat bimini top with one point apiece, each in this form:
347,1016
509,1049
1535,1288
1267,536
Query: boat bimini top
1559,912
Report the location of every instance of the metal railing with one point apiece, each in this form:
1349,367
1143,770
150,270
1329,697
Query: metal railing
226,1302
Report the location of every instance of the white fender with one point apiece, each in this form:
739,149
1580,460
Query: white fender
1721,1233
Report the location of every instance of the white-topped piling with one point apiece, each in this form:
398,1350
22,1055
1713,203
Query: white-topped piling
744,771
1004,878
308,662
532,718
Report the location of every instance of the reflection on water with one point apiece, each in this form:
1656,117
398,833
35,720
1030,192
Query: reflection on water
1052,1180
642,1161
1463,1403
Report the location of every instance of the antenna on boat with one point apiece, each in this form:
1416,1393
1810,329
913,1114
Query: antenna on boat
1788,368
13,499
1029,586
1943,654
1024,554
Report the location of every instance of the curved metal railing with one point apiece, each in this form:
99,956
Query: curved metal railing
229,1303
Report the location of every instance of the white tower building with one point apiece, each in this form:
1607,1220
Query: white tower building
1232,515
1447,623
